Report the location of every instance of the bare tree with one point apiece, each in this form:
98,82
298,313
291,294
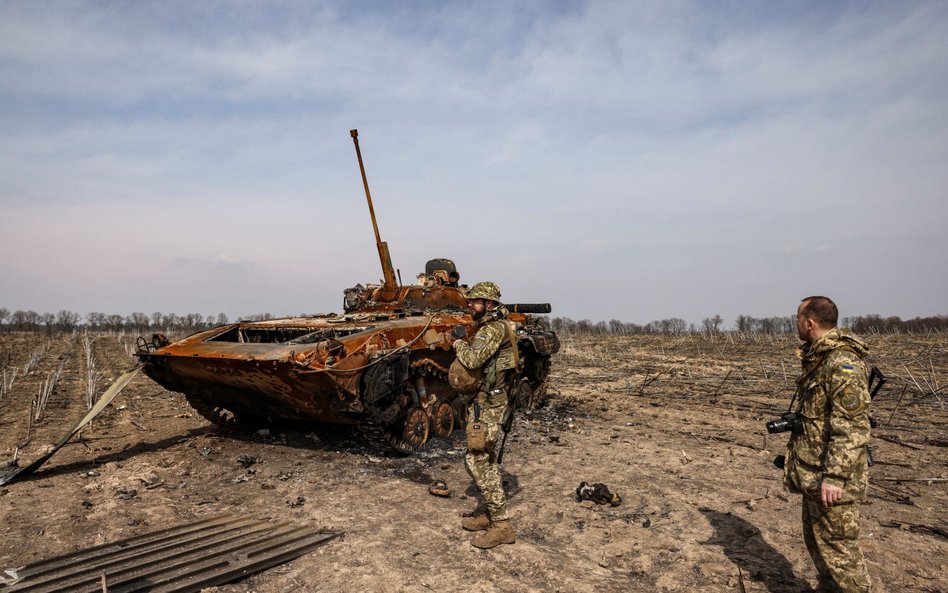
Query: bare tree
47,319
115,322
17,319
4,314
677,325
193,322
67,321
139,321
170,322
744,324
712,325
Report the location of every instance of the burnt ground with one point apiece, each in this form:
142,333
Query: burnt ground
675,425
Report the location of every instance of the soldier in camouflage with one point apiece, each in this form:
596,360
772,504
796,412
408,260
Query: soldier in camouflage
827,461
491,351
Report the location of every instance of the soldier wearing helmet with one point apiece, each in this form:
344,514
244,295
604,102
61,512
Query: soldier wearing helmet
491,351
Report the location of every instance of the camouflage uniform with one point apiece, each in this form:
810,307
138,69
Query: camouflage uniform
832,449
491,351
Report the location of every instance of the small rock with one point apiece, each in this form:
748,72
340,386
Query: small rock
247,460
263,432
296,503
87,504
127,493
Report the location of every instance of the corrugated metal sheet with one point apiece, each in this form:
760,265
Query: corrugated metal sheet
180,559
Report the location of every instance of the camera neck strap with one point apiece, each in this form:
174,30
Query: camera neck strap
798,393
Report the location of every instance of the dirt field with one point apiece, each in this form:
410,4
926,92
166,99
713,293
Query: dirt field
674,425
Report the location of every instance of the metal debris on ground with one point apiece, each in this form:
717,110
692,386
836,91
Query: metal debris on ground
104,401
127,493
247,460
598,493
181,559
440,488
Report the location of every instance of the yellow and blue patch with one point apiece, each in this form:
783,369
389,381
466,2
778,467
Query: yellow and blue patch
847,368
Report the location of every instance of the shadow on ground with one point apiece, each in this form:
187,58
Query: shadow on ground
744,545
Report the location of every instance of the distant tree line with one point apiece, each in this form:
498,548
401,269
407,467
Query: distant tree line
745,324
171,323
674,326
140,323
876,324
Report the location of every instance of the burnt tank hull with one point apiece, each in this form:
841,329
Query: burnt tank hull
384,370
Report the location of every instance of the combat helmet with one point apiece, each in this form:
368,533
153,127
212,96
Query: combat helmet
485,290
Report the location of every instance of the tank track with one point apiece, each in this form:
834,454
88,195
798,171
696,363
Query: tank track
382,438
380,425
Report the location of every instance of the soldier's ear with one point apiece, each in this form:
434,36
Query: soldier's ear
810,324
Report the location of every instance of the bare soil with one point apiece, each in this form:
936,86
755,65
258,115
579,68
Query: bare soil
675,425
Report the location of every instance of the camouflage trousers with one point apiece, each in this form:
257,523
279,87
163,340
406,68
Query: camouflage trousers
831,538
482,465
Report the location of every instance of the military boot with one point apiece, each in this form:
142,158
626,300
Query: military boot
499,532
476,523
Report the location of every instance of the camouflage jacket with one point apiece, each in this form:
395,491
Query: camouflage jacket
834,406
490,349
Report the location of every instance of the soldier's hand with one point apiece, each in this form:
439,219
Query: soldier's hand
830,494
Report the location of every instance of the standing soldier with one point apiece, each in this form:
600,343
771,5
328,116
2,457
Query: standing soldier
491,351
827,456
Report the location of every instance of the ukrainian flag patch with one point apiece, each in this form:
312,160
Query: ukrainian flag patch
847,368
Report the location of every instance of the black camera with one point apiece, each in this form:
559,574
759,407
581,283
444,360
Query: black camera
788,421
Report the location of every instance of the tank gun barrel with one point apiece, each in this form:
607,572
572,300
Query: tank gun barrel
536,308
389,285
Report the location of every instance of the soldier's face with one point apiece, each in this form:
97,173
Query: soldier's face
477,307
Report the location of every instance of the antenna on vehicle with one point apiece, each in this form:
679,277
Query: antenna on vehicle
388,286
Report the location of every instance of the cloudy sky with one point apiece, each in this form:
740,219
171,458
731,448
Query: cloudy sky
621,160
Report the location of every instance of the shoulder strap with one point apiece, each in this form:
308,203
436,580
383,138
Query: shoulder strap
512,338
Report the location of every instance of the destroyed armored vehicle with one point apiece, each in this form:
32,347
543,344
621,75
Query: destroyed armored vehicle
381,365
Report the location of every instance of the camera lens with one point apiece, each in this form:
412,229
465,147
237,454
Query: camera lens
775,426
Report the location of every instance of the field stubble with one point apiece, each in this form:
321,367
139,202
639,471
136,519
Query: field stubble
675,425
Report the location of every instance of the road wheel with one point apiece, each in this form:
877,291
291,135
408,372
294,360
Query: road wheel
415,431
523,398
442,421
